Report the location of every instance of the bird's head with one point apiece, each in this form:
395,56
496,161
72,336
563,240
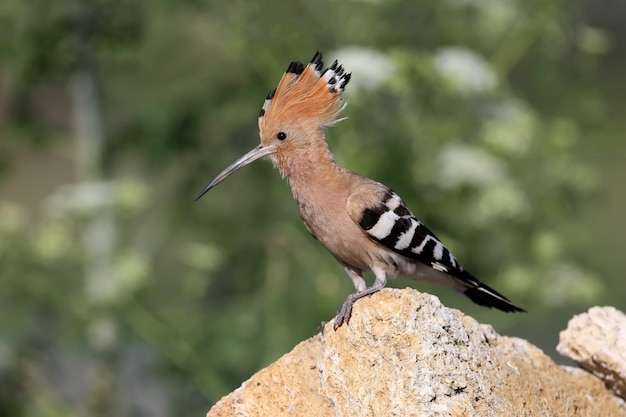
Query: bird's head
306,100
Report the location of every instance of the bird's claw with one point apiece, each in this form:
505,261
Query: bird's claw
321,325
344,314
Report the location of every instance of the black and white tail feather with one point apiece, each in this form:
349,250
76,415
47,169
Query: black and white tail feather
393,225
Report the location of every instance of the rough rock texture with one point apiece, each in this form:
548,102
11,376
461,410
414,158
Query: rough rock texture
596,340
404,354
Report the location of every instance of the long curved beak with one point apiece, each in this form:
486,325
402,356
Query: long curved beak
256,153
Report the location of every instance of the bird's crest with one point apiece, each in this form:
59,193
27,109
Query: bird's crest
307,93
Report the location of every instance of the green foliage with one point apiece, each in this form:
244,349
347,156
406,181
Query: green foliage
474,112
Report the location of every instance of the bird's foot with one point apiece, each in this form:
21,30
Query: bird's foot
344,314
321,325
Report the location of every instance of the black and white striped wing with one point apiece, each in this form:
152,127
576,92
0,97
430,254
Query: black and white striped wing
390,223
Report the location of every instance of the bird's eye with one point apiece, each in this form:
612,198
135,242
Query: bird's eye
281,136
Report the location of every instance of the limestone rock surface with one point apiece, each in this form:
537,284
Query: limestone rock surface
596,340
405,354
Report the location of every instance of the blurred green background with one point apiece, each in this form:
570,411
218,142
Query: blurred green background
499,122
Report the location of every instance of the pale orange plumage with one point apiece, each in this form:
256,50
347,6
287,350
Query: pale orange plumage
363,223
304,97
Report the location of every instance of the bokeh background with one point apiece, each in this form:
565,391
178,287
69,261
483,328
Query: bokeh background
500,122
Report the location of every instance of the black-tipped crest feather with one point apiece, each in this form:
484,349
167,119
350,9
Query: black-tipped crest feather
295,67
303,92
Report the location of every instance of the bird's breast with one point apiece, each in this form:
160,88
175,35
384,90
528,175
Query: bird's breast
331,225
327,220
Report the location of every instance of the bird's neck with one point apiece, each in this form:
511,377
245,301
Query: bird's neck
311,168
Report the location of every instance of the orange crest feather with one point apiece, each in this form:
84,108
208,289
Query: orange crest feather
307,93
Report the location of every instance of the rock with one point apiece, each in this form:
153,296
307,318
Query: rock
404,354
596,341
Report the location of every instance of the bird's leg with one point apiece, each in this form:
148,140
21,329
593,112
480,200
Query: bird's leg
343,316
356,275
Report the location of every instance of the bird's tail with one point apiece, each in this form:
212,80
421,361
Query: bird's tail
483,295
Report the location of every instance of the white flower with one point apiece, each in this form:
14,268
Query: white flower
466,165
82,197
569,283
467,71
370,68
102,332
593,40
510,128
503,200
493,17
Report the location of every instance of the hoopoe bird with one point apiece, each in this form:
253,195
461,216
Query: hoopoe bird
363,223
